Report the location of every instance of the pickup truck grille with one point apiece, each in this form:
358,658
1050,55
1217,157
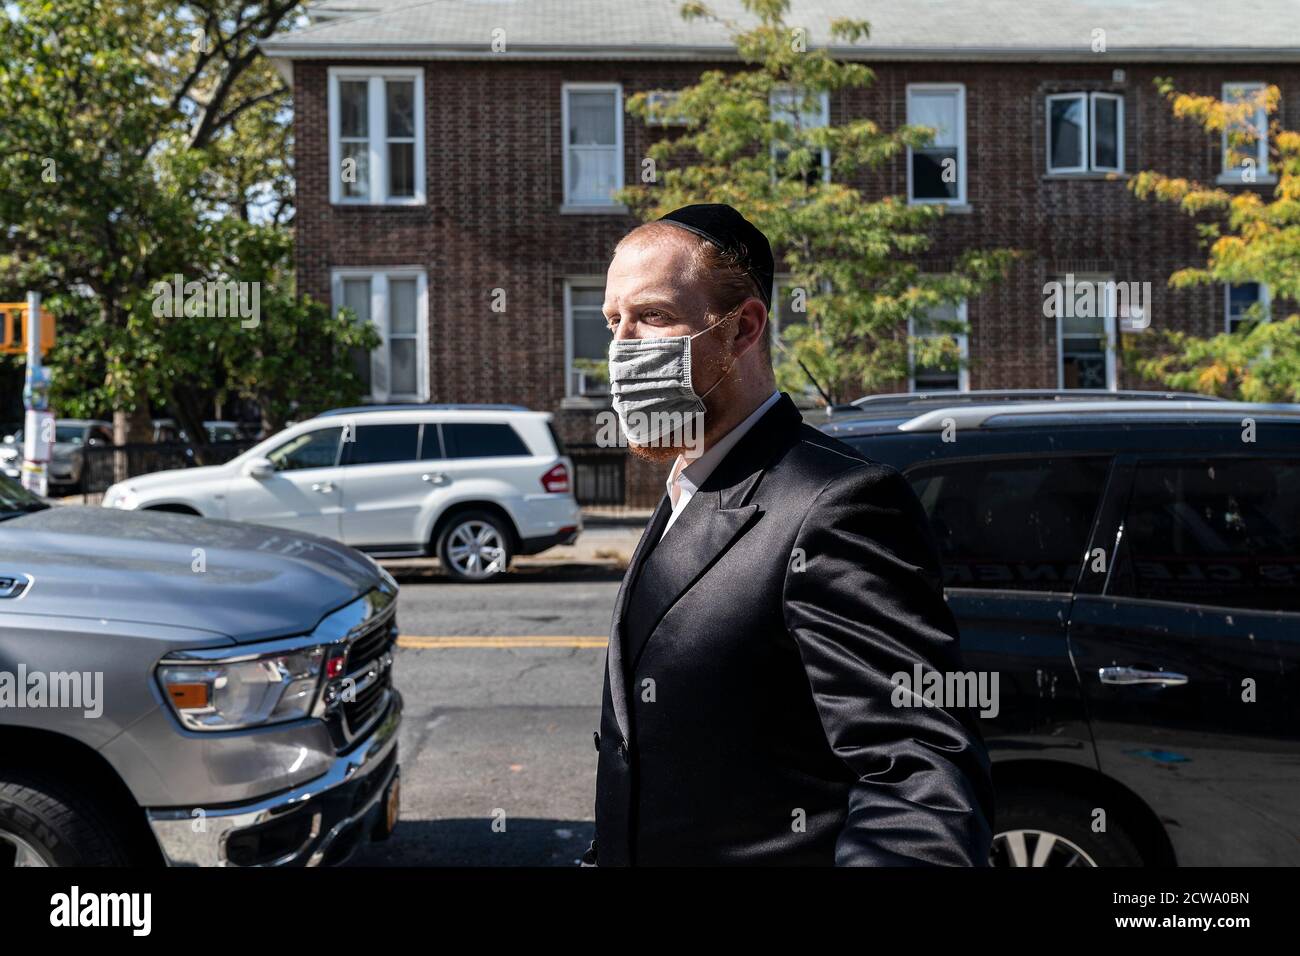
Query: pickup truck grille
369,665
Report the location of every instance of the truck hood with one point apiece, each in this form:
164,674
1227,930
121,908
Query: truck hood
246,582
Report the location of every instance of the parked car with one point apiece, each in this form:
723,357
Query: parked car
473,485
224,691
67,454
166,430
1131,571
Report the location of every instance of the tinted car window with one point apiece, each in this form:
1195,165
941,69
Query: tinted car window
380,444
430,443
1011,524
465,440
318,449
1224,533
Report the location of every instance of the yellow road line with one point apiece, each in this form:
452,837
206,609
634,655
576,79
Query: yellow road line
529,640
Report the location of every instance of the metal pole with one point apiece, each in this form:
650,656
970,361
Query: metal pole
38,426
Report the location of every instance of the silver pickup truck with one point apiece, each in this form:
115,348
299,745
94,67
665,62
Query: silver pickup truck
189,692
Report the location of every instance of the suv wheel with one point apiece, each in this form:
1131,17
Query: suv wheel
44,822
474,546
1049,829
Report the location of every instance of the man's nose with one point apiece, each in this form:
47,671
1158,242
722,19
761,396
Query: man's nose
626,329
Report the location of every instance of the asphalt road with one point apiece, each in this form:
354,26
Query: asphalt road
502,685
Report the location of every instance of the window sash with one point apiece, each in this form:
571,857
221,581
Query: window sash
576,385
1086,155
1094,138
956,145
1082,165
1247,90
1105,334
589,167
382,304
916,328
375,174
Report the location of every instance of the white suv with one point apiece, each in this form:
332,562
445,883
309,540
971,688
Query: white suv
473,484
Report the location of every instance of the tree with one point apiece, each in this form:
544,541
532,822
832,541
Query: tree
1251,239
131,130
854,261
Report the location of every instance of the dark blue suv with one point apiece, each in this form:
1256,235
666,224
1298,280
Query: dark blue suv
1131,570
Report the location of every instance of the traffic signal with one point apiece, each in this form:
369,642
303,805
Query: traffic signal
13,329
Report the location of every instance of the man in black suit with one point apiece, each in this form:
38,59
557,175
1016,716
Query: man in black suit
747,715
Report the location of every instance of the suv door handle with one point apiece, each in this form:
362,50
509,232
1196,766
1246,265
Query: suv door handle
324,487
436,478
1136,675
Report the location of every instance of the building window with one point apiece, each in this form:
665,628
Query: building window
395,301
593,143
1245,145
586,339
1085,333
1085,133
376,135
937,173
801,111
1239,299
950,375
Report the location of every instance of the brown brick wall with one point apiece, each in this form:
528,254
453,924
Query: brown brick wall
494,185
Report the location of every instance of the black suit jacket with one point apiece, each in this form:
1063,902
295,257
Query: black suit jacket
747,715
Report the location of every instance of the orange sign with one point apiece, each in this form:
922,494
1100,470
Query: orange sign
13,329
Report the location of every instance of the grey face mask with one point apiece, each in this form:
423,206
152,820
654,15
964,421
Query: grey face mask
650,383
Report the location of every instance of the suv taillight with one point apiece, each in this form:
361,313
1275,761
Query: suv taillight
557,479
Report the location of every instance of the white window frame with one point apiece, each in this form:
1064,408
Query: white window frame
963,344
1088,154
960,90
571,394
824,98
1265,299
1237,173
1109,323
609,204
380,316
378,135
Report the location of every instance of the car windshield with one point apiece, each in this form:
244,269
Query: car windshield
17,500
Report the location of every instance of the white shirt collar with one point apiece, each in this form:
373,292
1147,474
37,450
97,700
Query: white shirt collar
694,474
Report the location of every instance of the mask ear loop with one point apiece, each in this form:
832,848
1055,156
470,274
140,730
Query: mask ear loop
721,378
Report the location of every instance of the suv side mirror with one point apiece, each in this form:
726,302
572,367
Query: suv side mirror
259,468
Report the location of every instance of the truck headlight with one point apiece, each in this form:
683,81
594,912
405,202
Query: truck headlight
245,691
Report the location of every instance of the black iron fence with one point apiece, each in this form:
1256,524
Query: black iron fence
103,465
598,478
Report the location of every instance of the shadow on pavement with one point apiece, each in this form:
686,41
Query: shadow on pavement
465,842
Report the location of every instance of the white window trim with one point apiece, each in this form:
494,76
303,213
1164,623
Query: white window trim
1236,174
380,316
1107,282
1088,154
1094,166
960,90
825,99
1265,299
571,394
609,204
378,152
963,343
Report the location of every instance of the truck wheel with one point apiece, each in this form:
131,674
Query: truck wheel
1036,827
45,822
474,547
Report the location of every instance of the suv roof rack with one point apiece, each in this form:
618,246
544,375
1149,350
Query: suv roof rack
416,407
975,416
977,396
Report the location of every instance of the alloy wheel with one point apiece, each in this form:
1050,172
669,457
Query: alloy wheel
476,550
1037,848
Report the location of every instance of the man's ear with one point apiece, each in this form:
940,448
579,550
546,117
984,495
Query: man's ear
751,325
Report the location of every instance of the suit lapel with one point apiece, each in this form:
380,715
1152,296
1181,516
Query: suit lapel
699,536
614,656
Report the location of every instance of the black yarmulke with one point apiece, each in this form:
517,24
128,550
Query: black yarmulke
730,231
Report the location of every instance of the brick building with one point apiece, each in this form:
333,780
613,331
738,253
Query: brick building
455,159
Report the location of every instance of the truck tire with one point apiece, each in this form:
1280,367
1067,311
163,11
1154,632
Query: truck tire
1040,827
46,822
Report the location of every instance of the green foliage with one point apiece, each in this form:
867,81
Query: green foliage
856,259
1251,239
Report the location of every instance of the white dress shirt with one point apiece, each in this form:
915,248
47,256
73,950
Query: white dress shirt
693,475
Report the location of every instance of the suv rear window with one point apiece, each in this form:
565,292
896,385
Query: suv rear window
1224,533
1012,524
380,444
468,440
